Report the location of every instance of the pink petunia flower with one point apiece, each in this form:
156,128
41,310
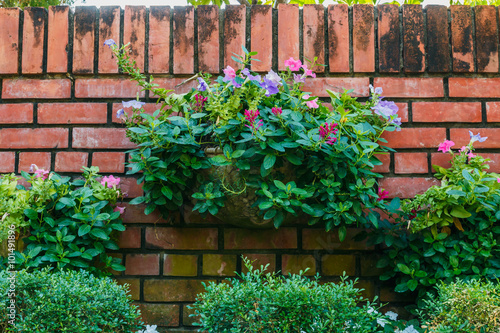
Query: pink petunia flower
110,181
230,72
464,148
446,146
41,173
308,71
498,180
119,209
293,64
382,194
471,155
311,104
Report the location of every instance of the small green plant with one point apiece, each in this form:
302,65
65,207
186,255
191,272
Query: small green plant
65,301
34,3
463,307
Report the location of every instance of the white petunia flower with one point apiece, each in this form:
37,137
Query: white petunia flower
392,315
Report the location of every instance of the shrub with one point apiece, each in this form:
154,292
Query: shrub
66,301
463,307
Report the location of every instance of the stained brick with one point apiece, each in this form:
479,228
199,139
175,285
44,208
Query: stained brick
363,34
182,238
438,54
159,39
16,113
58,39
189,317
293,264
208,39
410,163
130,187
337,264
403,111
130,238
180,265
135,214
288,33
134,286
413,32
461,137
386,163
318,239
318,86
486,39
7,161
493,111
183,35
261,37
42,160
407,187
415,138
134,32
338,38
39,89
71,161
109,28
283,238
474,87
446,112
440,159
142,264
313,17
110,138
109,161
410,87
259,260
461,39
388,38
72,113
35,19
219,265
106,88
234,32
160,314
83,40
172,290
19,138
9,39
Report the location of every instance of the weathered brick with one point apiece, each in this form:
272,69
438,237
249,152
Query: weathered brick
189,317
318,86
182,238
130,238
413,38
415,138
438,54
130,187
447,112
109,161
180,265
42,160
58,39
367,288
109,28
9,39
135,214
494,163
338,38
288,33
19,138
16,113
109,138
313,17
219,265
363,34
258,260
106,88
37,89
208,39
440,159
486,39
183,35
388,38
403,111
134,32
318,239
172,290
461,39
283,238
293,264
386,163
160,314
142,264
461,137
493,111
7,161
159,39
72,113
474,87
410,163
261,37
337,264
33,38
406,187
134,287
71,161
410,87
83,40
234,32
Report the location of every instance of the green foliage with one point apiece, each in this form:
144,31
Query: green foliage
475,2
13,202
270,144
66,301
463,307
267,302
274,3
34,3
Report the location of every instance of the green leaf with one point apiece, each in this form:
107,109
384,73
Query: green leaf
167,192
31,214
67,202
460,212
404,269
137,130
270,214
412,284
265,205
467,176
137,201
84,229
269,161
99,233
342,233
118,267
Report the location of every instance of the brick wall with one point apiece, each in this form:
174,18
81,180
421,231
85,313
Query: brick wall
60,89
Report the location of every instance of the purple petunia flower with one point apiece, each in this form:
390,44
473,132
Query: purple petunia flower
109,42
133,103
273,77
202,86
377,91
270,87
251,77
120,113
476,137
299,78
386,109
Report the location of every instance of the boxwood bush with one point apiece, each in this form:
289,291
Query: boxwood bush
65,301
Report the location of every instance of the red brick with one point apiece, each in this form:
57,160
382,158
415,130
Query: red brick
72,113
486,39
338,38
261,37
234,32
474,87
149,108
319,239
369,266
388,38
38,89
288,33
109,162
19,138
338,264
130,238
109,138
109,28
208,39
258,260
9,39
133,285
182,238
415,138
410,163
7,161
183,35
180,265
16,113
135,214
403,111
83,40
58,39
130,187
172,290
134,32
413,38
106,88
313,17
440,159
42,160
71,161
386,163
219,265
438,53
363,44
160,314
33,39
446,112
494,163
461,137
406,187
461,39
142,264
293,264
159,39
318,86
238,239
493,111
410,87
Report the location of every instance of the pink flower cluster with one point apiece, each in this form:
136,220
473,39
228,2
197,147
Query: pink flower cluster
382,194
326,130
110,181
276,111
119,209
200,101
446,146
39,173
311,104
251,117
295,65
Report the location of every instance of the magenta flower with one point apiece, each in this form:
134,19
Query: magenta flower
119,209
311,104
326,130
41,173
464,148
308,72
200,101
382,194
251,117
471,155
498,180
293,64
230,72
446,146
110,181
276,111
